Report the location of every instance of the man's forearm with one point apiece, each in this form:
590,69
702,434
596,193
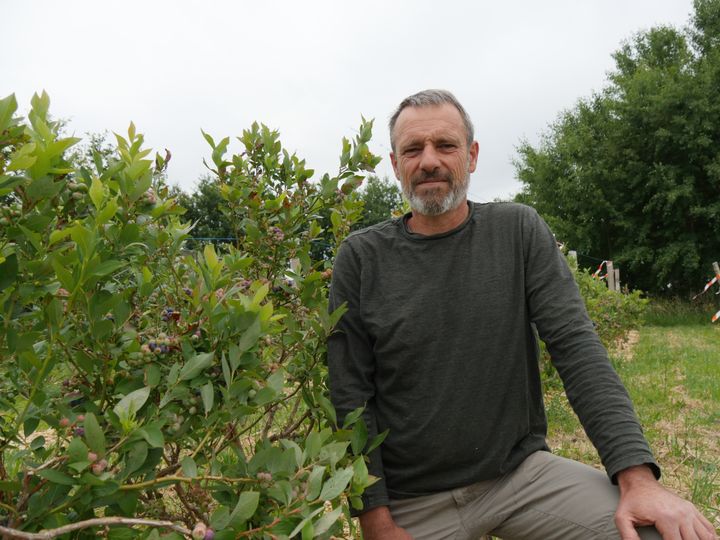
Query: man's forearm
378,524
627,478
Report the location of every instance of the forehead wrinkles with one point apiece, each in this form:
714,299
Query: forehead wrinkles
429,123
427,130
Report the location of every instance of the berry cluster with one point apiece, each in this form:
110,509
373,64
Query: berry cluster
73,426
9,213
264,477
161,345
202,532
277,234
169,313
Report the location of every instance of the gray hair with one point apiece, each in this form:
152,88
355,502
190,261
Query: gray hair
428,98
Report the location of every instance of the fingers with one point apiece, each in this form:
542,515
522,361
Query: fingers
708,528
626,528
704,529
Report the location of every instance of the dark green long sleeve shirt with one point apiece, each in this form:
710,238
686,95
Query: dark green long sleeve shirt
437,342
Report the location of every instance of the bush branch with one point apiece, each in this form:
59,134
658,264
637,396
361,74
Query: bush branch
96,522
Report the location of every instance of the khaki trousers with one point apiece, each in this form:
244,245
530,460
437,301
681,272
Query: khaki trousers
547,497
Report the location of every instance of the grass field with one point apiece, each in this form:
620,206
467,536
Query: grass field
672,371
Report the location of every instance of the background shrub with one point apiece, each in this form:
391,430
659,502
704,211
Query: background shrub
614,314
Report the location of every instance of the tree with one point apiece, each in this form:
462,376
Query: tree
203,209
632,173
381,198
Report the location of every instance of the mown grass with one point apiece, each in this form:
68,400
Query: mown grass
672,371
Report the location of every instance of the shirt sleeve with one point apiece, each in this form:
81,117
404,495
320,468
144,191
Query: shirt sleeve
593,388
351,364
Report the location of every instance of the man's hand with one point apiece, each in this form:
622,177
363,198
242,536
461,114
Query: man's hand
643,501
378,524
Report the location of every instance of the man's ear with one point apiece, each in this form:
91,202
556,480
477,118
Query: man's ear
473,152
393,160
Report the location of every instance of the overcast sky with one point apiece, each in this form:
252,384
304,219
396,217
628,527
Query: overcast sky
311,68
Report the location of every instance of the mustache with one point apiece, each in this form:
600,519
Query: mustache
423,177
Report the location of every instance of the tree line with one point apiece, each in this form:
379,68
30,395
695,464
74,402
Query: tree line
632,173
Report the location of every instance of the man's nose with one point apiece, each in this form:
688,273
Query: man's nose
429,160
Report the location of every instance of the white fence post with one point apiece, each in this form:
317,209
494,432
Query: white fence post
610,275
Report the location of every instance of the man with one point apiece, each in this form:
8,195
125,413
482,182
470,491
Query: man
437,343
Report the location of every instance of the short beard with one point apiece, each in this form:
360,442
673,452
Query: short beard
432,203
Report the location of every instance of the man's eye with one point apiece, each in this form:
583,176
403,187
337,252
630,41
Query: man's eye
412,150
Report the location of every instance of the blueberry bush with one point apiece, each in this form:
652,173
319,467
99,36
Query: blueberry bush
151,388
613,314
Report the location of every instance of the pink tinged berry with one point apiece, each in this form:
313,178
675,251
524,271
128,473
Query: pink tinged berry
64,422
80,417
92,457
198,533
99,466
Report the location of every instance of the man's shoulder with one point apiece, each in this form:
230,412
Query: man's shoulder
505,214
504,208
385,229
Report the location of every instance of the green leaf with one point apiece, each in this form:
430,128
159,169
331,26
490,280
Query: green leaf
327,520
77,451
8,271
136,457
152,435
153,374
97,192
208,396
8,106
196,365
43,188
308,531
276,381
244,509
315,482
8,486
327,408
377,441
94,435
304,522
360,471
132,403
56,477
210,257
58,234
336,484
108,211
250,336
359,436
352,417
208,138
22,159
107,267
220,518
333,452
37,442
189,468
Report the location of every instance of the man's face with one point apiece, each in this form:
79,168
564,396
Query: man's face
432,159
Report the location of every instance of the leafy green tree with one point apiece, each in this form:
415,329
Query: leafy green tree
632,173
381,198
203,208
